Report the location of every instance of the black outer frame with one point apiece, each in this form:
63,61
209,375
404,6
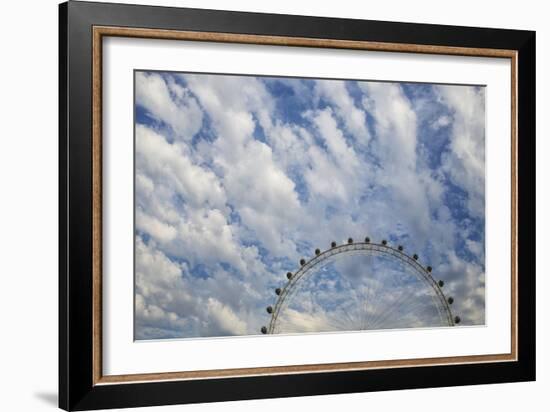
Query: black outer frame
76,389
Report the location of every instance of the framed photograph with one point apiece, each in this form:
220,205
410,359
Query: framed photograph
256,205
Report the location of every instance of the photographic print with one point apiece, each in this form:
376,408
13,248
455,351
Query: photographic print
277,205
242,193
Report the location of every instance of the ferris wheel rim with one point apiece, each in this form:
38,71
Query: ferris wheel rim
383,248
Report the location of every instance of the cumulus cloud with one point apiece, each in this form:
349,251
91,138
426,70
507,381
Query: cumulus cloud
332,172
237,177
465,162
353,117
440,122
169,165
168,102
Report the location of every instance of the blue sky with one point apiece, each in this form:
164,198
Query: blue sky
238,177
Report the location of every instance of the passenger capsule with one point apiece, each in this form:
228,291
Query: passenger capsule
367,239
269,309
264,330
350,240
457,319
450,300
415,256
278,291
302,262
317,252
289,275
384,242
333,244
429,268
400,248
440,283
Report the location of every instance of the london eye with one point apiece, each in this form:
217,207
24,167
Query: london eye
359,286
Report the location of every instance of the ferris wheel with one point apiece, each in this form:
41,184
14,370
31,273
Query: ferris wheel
359,286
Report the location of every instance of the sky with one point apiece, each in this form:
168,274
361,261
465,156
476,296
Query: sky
238,177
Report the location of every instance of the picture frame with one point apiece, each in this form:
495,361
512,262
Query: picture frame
82,29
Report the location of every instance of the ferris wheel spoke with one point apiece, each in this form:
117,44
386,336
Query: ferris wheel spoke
392,307
375,296
410,307
383,311
348,317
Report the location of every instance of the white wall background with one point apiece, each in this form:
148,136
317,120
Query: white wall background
28,203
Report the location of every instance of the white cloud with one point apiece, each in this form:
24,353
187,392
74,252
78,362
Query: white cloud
162,299
255,185
224,320
353,117
395,123
170,166
169,103
465,161
163,232
467,283
171,303
410,190
343,155
182,205
440,122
